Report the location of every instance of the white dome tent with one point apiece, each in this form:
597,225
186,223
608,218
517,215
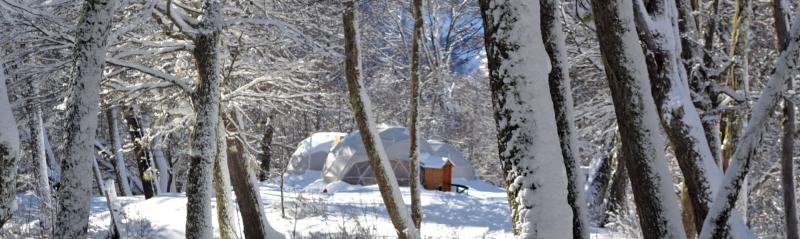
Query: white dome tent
312,152
349,163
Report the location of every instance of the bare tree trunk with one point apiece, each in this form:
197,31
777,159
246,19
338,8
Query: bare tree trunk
119,157
563,105
205,100
416,208
781,16
222,188
40,169
83,103
117,228
140,153
379,162
155,147
55,165
600,182
527,136
245,186
266,151
726,198
617,192
98,176
637,117
679,117
9,154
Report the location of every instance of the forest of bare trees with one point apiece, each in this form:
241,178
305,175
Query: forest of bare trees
578,118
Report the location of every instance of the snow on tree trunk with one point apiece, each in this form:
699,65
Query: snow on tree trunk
40,168
115,212
98,177
245,185
726,198
527,138
643,145
9,154
140,153
119,157
222,188
74,193
378,160
600,179
157,155
659,30
205,100
563,105
615,204
781,17
55,166
416,207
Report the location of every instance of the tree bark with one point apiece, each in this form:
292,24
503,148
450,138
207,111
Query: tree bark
222,188
416,208
601,183
119,157
266,151
527,139
726,197
9,154
40,168
563,105
140,153
679,117
781,17
618,191
245,186
205,100
642,145
83,103
379,162
155,147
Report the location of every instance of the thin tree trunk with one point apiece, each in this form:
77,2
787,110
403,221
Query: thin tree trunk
222,188
637,117
266,151
155,147
140,153
726,198
617,192
9,154
55,166
40,169
529,149
600,183
359,100
781,17
416,208
98,176
83,103
205,100
563,105
735,79
245,186
119,157
117,228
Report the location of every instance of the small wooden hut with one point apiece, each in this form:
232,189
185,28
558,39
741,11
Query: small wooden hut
437,177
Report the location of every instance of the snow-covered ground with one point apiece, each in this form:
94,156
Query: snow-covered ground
344,211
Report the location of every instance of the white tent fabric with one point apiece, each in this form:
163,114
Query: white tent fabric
348,160
312,152
461,166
